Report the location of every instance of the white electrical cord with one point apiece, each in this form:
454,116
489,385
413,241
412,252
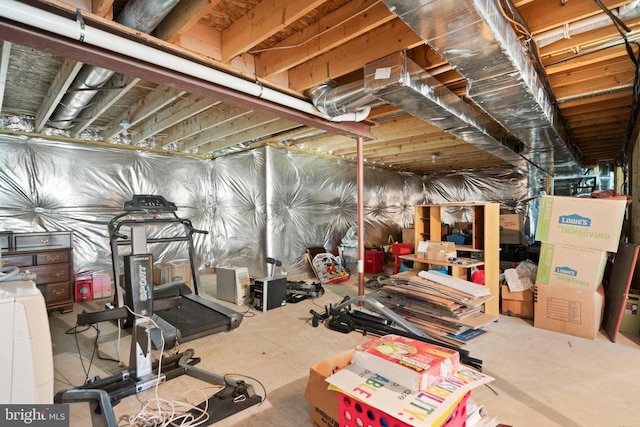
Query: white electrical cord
164,412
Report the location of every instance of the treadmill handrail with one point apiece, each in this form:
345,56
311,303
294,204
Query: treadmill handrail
118,239
127,241
115,228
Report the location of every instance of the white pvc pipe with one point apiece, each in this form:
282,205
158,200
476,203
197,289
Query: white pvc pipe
38,18
625,12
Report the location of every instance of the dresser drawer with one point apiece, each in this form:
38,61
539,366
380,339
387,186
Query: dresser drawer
17,260
6,240
56,257
51,273
51,240
54,292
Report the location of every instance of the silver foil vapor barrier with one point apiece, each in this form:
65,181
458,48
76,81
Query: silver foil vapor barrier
266,202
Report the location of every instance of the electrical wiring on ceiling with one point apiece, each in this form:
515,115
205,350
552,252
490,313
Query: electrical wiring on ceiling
635,58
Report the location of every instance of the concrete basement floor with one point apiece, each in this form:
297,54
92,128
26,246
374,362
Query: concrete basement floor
542,378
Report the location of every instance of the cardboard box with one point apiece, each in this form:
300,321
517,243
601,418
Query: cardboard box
172,271
180,271
567,310
324,402
436,251
102,286
571,266
161,273
413,364
516,304
511,229
584,222
409,235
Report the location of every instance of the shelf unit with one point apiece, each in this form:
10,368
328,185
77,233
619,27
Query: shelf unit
485,239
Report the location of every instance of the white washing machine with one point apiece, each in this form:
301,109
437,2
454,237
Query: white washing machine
26,361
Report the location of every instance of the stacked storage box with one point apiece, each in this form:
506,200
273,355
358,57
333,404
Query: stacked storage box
373,262
402,396
576,236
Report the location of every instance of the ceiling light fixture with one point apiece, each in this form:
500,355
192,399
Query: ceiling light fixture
434,156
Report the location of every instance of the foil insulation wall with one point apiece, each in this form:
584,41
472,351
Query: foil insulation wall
254,204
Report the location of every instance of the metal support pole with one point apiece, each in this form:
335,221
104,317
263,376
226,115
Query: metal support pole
360,185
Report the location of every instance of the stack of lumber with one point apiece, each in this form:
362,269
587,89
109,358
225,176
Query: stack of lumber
445,307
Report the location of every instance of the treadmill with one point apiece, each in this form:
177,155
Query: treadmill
179,311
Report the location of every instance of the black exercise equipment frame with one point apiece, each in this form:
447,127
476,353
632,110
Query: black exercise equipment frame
342,318
143,373
107,392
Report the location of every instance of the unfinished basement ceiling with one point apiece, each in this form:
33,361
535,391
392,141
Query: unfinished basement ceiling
550,83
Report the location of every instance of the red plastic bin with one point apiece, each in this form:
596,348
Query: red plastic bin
373,262
354,413
83,288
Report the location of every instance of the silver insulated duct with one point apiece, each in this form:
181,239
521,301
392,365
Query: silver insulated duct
477,40
141,15
337,100
405,85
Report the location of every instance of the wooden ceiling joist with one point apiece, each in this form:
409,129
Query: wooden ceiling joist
266,19
329,32
180,111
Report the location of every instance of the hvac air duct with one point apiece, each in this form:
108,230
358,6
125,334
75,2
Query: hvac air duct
477,40
141,15
338,100
404,84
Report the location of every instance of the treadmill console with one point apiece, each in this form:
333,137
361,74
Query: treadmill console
149,203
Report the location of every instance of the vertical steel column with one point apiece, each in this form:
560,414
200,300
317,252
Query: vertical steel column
360,151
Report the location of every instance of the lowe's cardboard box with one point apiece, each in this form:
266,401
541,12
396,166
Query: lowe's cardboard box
324,402
571,266
584,222
568,310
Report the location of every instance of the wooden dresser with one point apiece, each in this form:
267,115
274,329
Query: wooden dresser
50,257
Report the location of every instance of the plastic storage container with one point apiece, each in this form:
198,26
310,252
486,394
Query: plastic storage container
354,413
373,262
